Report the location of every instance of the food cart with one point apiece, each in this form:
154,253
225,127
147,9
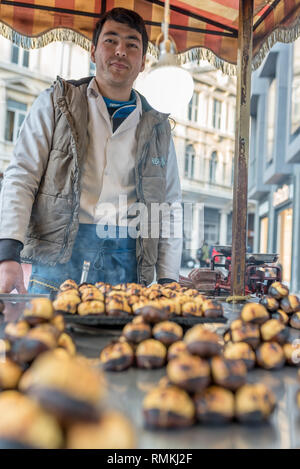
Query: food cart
235,39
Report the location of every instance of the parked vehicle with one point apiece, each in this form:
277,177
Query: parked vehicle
187,260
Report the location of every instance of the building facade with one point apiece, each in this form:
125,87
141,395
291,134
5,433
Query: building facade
23,75
204,137
274,169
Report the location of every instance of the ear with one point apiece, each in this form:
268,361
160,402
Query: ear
93,53
143,64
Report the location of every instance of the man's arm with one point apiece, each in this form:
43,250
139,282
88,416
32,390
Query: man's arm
20,185
170,248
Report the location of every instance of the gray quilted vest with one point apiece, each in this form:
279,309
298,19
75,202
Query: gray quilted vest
54,219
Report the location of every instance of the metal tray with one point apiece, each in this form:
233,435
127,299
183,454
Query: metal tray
261,258
16,298
108,321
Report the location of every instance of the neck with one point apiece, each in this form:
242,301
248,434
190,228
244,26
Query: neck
114,92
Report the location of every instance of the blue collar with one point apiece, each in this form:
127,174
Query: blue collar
113,104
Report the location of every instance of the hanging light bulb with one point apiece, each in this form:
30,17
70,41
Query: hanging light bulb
167,86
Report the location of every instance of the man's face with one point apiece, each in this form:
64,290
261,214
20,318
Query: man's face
118,55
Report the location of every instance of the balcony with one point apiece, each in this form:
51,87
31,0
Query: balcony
206,190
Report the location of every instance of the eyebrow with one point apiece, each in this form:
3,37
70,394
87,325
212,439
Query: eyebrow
113,33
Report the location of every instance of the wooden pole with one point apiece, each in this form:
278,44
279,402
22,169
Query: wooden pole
241,156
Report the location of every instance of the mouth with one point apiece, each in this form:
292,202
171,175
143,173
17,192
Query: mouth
119,65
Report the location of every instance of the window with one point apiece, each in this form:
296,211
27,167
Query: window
15,115
211,233
295,108
193,108
19,56
271,121
263,238
224,172
284,241
217,107
213,167
189,162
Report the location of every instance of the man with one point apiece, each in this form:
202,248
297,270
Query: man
82,146
203,255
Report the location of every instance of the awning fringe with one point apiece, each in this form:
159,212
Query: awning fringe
279,35
196,54
199,54
59,34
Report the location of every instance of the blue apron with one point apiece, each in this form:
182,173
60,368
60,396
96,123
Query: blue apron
112,260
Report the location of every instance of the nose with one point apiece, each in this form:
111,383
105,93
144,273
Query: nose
120,50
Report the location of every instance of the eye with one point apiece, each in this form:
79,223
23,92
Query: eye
133,45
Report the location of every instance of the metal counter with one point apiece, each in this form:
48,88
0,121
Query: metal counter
127,390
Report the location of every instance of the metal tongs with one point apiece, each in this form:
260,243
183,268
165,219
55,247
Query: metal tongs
85,271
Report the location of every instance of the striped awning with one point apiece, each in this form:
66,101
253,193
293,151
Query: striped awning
201,29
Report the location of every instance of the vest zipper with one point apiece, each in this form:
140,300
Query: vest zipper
143,199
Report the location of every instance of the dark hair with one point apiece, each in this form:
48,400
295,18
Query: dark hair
122,15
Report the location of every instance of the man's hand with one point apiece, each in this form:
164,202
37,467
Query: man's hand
11,277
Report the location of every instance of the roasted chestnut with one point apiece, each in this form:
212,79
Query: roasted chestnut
254,403
202,342
66,386
38,310
295,320
24,424
168,407
214,405
112,430
270,303
248,333
68,285
16,330
290,304
177,349
191,309
151,353
212,309
67,302
278,290
274,330
240,351
117,356
91,307
254,313
167,332
152,314
270,356
136,333
189,373
10,374
281,316
292,353
228,373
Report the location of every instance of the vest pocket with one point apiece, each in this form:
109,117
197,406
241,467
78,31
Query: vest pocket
58,175
50,218
154,189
